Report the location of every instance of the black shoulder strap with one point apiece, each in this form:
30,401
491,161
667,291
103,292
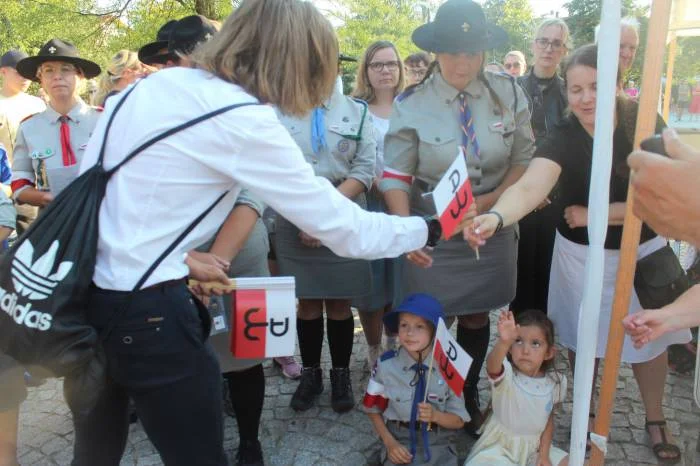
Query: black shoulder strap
148,144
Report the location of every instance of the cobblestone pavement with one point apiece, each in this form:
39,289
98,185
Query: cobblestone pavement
322,437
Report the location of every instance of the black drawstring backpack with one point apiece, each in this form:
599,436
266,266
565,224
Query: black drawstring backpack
46,275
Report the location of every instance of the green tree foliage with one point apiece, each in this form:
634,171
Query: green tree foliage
365,21
584,16
516,17
687,64
97,30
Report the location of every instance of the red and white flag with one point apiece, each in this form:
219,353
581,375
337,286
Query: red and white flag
263,317
453,195
451,359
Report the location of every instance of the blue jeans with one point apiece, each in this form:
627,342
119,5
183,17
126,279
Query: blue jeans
157,356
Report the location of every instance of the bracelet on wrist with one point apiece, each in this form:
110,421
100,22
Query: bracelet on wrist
500,220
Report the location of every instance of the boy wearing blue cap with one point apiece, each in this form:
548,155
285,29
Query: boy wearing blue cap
410,429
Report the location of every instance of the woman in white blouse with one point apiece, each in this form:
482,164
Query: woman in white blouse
279,52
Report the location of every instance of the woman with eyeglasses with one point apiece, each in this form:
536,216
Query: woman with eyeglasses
51,144
337,140
379,80
546,95
459,111
514,63
416,66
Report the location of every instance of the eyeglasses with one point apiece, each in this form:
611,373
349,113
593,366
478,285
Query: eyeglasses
416,72
512,65
378,66
544,43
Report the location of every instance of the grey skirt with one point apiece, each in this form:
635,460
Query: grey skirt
461,283
251,261
318,272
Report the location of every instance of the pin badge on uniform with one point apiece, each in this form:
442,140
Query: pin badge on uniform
466,27
343,146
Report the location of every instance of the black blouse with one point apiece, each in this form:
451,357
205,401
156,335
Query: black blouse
571,147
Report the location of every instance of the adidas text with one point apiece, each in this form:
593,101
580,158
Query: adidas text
23,314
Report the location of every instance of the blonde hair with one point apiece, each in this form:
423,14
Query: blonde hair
120,62
518,55
283,52
363,88
565,34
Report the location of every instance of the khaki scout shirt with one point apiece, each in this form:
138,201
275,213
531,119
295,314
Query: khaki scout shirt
350,151
38,157
393,377
425,133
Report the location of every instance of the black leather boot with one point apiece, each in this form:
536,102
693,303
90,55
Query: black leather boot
249,454
342,399
310,386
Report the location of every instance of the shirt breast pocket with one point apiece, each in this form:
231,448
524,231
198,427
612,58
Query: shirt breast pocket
503,133
439,147
340,142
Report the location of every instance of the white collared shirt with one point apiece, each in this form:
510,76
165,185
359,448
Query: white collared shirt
155,196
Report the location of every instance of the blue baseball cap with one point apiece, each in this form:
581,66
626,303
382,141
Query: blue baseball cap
11,58
420,304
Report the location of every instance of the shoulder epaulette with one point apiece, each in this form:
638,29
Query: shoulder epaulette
387,355
407,93
28,117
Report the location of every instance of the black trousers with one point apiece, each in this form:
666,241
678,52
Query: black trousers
156,355
535,247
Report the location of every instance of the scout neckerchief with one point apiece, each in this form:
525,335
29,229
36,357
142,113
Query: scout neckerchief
318,130
418,397
467,124
66,149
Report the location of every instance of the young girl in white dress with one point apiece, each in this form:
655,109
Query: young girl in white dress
524,393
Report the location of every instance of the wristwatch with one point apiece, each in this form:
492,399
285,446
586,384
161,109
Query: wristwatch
434,231
500,220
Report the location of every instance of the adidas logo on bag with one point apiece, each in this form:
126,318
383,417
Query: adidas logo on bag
34,281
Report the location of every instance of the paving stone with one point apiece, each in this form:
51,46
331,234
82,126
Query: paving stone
322,437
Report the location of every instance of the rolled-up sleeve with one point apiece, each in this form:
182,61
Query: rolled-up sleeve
22,168
400,153
523,138
279,176
245,198
8,215
365,160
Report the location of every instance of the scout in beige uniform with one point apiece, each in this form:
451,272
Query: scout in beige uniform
51,144
459,110
400,382
338,141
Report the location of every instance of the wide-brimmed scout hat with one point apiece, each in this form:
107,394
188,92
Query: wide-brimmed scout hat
420,304
459,27
57,50
189,32
151,52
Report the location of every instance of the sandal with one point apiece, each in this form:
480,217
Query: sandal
663,446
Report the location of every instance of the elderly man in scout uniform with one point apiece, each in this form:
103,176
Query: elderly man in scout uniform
460,111
51,144
338,142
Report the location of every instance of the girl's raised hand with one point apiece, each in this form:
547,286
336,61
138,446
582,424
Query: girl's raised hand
507,329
